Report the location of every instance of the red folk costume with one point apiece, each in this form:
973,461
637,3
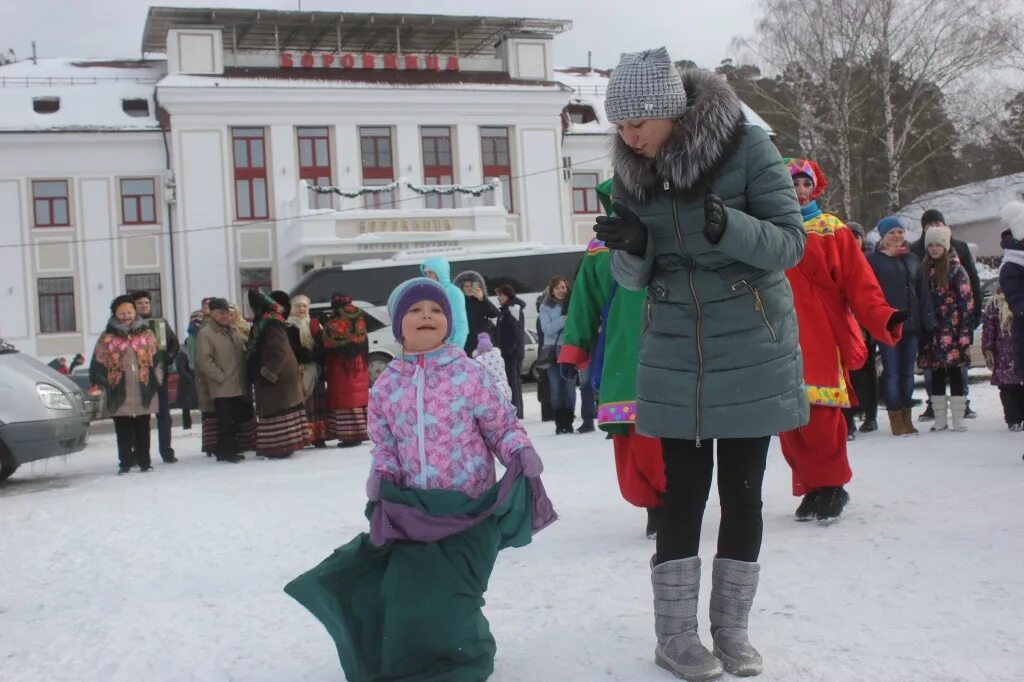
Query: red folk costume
343,338
832,284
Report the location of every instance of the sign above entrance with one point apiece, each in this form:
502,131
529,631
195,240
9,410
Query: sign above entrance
382,62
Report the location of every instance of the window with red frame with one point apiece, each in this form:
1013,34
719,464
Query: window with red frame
437,164
50,203
250,173
138,201
378,165
497,161
256,279
56,305
315,163
584,193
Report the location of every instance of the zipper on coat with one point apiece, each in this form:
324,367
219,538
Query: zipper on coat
696,301
758,305
421,431
656,291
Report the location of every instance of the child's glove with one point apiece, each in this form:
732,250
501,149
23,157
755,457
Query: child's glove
530,462
373,487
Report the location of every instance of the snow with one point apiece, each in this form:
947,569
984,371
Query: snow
90,93
976,202
178,574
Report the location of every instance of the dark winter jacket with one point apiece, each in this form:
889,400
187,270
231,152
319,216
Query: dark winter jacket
186,398
480,315
719,352
997,339
905,288
1011,281
170,345
963,252
949,344
512,329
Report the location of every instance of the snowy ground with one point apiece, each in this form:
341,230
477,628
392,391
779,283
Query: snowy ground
177,575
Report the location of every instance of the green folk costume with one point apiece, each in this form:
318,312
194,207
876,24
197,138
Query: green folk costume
408,610
592,290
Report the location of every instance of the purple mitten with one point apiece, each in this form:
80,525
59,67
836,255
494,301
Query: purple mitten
529,460
373,487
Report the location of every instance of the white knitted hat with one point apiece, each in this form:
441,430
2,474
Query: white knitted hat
645,85
938,234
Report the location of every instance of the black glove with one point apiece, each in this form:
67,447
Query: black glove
715,217
568,371
623,231
898,317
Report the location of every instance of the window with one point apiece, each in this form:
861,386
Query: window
250,173
437,164
577,114
584,193
56,305
497,164
50,201
138,202
378,165
257,279
46,105
315,163
135,107
148,282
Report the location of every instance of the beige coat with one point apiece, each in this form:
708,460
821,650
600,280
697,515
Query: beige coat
132,405
220,364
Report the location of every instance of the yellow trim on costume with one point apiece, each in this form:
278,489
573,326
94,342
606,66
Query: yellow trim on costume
825,224
830,396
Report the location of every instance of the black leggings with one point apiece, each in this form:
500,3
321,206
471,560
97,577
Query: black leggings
688,473
939,377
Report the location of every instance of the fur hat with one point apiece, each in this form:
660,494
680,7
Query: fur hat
484,343
938,234
932,215
888,223
409,292
645,85
1013,215
121,300
284,300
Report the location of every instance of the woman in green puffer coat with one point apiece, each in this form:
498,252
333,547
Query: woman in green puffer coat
707,219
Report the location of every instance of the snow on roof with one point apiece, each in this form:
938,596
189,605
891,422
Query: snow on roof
589,87
976,202
90,94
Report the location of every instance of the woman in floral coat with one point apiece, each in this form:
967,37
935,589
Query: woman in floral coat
948,347
997,345
343,338
127,365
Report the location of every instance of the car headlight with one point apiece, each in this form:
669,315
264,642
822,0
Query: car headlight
53,398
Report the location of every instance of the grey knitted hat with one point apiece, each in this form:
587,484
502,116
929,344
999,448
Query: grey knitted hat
645,85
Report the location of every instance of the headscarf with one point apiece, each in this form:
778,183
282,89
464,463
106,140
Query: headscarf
302,323
344,332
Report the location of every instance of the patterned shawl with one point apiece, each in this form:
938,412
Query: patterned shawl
344,332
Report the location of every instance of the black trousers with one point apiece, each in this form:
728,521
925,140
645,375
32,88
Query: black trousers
1012,397
865,385
939,378
132,441
514,375
163,421
229,419
688,474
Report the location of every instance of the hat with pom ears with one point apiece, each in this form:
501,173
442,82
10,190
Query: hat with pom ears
809,169
1013,215
412,291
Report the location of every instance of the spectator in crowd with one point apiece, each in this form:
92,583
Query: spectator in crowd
553,311
186,397
314,385
864,380
440,270
1011,275
934,218
344,340
511,333
997,346
947,350
221,381
905,286
239,321
547,414
60,365
77,361
480,312
128,366
168,342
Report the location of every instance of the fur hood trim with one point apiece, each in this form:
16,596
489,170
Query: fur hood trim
702,138
1013,215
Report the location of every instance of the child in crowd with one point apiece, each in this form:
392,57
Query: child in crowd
490,357
997,345
403,601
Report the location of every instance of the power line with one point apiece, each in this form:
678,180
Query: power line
264,221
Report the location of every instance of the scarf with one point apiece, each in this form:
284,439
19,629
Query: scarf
345,331
810,211
305,335
112,349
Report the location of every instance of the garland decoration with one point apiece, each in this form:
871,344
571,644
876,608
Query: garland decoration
443,190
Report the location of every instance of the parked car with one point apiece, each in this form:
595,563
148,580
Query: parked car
42,412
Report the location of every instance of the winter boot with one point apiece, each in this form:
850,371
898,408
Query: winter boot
897,423
733,584
968,412
870,424
808,509
940,404
653,522
908,421
570,416
676,586
586,427
831,503
928,414
957,412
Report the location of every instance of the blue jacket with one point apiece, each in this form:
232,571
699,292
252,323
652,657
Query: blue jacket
460,324
552,321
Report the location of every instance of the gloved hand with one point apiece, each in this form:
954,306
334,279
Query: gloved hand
716,217
898,317
529,460
373,487
990,360
568,371
624,231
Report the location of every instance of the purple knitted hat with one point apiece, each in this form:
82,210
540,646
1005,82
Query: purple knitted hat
409,292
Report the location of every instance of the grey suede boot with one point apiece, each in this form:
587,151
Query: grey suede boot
940,404
676,586
733,585
957,412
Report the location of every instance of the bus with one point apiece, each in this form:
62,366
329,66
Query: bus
528,268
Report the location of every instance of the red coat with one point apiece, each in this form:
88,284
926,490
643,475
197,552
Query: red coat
348,378
833,279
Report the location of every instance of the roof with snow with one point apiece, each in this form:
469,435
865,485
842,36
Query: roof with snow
976,202
81,95
589,88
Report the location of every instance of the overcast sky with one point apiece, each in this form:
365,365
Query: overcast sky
697,30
